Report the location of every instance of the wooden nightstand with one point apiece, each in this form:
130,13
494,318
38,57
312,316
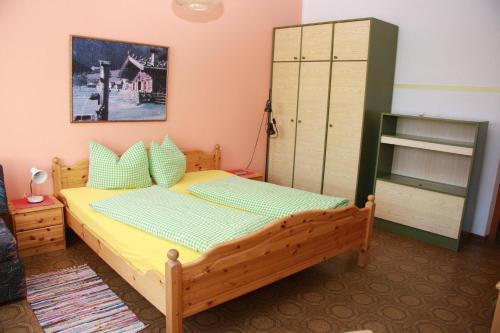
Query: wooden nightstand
247,174
39,229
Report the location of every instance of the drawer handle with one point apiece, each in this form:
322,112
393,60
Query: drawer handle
295,58
303,57
39,220
330,125
32,237
300,121
292,120
335,57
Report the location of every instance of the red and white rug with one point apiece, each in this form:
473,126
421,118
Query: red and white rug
76,300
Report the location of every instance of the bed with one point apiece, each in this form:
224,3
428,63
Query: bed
188,282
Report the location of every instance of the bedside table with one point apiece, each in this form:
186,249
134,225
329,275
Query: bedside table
246,174
38,229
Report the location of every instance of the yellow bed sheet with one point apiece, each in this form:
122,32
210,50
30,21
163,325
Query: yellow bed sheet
144,251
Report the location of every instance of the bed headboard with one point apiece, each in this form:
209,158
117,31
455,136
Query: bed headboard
77,175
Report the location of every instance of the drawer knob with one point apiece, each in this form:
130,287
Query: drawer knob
330,125
335,57
39,220
32,237
292,120
295,58
299,121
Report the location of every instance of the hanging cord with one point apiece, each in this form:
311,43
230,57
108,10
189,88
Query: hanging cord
257,140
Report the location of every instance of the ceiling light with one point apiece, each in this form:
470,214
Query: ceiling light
198,5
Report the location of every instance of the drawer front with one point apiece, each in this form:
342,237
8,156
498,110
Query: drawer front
421,209
39,219
39,237
33,251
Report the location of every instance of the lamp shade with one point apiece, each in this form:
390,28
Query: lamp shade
198,5
38,176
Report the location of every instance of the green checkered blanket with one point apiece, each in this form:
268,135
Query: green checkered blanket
262,198
177,217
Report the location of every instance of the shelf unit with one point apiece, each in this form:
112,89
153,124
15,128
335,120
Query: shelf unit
427,176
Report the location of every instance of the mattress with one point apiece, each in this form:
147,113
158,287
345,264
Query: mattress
142,250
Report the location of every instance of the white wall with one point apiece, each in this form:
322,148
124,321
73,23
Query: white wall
446,49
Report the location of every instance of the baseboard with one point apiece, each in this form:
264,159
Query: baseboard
424,236
477,238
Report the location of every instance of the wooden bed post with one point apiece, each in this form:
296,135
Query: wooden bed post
363,252
56,176
173,282
217,154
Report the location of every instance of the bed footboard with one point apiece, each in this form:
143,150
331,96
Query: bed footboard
283,248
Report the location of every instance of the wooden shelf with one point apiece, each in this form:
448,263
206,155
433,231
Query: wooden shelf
447,142
435,144
425,184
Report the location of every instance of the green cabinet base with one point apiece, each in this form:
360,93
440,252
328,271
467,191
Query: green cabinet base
425,236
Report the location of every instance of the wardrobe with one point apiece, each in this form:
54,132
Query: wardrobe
330,83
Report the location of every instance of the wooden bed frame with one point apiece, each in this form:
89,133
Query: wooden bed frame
234,268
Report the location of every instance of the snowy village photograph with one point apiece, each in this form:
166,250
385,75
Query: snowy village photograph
117,81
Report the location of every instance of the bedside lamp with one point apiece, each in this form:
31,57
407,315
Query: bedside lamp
38,177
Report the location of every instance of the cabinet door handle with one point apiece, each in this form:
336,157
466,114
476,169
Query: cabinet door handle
330,125
295,58
335,57
299,121
291,120
304,58
39,220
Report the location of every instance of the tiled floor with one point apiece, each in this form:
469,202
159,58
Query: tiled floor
407,287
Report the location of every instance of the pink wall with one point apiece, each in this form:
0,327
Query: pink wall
218,83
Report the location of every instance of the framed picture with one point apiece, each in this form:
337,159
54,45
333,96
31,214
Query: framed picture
117,81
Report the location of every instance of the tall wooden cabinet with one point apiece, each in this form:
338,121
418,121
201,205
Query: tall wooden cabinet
330,83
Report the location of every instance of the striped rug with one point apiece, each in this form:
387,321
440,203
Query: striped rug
76,300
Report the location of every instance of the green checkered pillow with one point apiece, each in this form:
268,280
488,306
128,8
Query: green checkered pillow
108,171
167,163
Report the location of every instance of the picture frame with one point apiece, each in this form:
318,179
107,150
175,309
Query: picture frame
135,75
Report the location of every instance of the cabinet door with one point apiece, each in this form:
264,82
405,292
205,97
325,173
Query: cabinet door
317,42
350,40
311,125
287,44
281,148
417,208
345,126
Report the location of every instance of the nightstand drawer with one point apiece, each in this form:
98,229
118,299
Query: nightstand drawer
39,237
38,219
